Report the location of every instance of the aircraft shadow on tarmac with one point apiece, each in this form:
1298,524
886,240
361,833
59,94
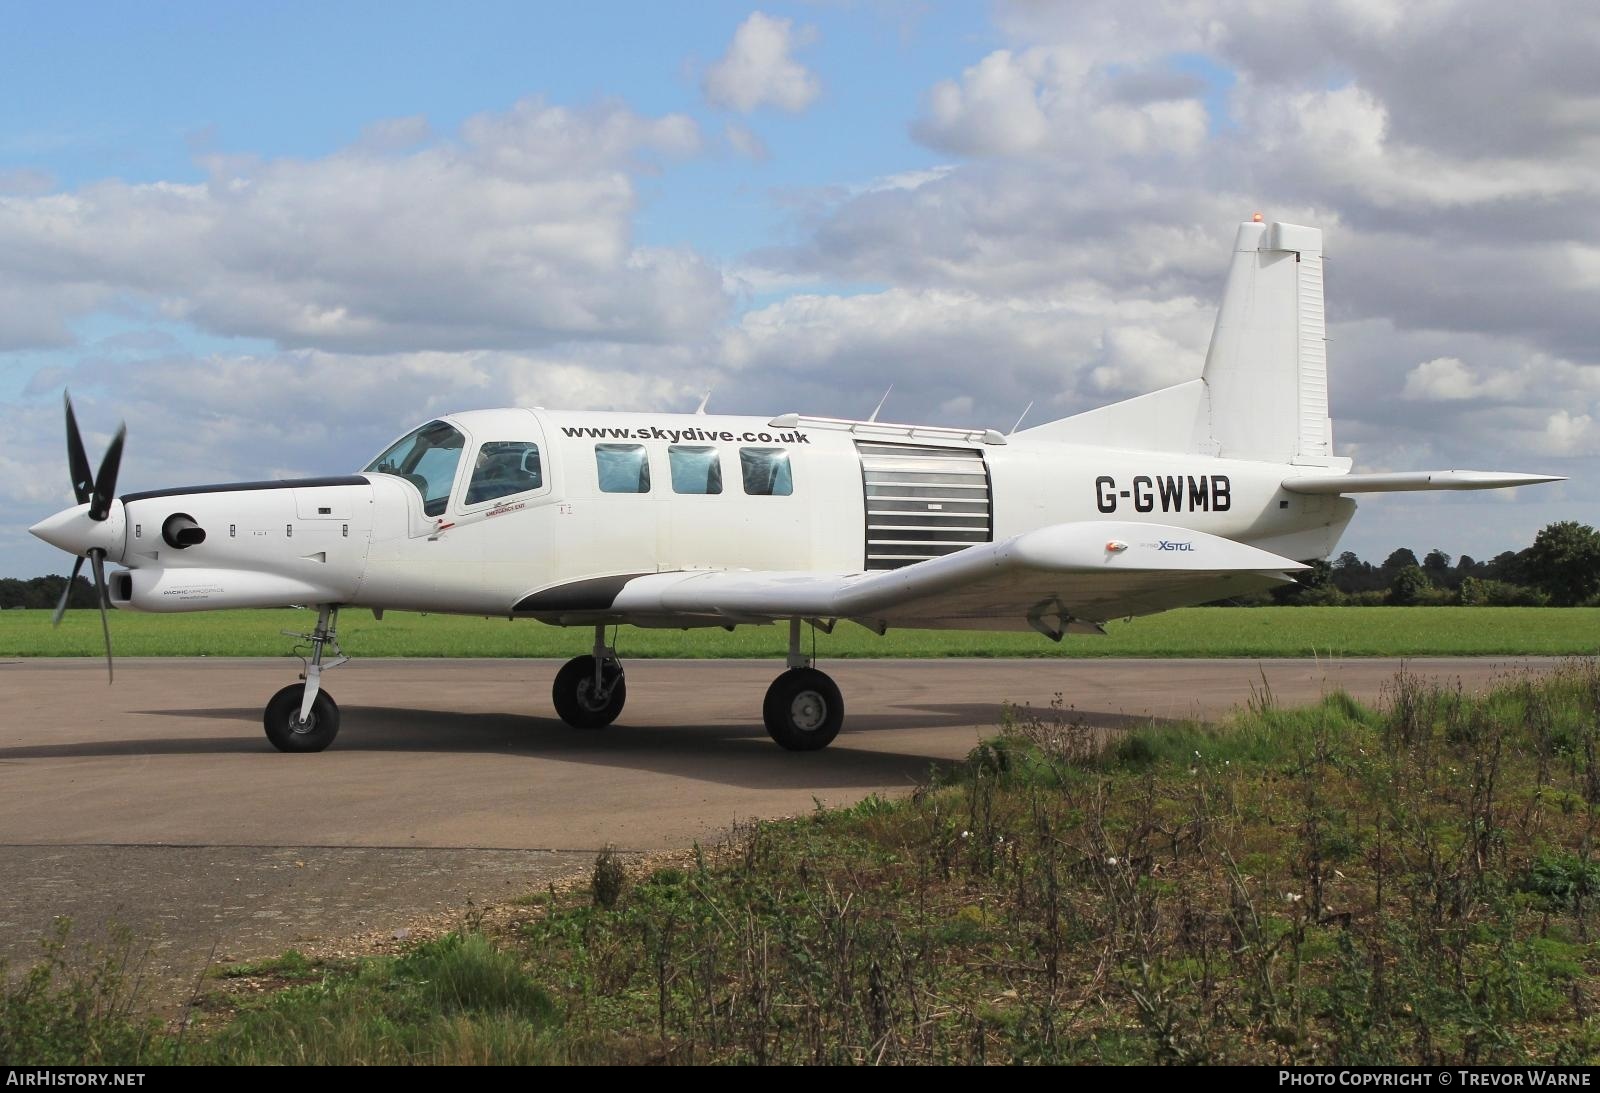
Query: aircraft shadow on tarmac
737,754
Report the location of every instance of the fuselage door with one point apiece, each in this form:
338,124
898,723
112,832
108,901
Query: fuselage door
923,501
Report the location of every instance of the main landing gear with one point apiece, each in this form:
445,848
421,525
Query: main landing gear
589,691
803,710
302,716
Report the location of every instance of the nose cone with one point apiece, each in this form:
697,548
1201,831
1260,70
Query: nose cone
71,530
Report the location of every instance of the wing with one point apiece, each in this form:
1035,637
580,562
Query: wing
1066,577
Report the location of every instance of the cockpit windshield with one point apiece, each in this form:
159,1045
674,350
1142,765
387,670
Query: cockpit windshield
427,458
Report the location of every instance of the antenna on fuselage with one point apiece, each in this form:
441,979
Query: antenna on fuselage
701,409
881,401
1020,416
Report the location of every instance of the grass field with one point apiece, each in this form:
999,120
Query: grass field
1193,632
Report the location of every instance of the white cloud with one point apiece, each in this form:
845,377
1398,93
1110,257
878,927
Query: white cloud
960,357
994,110
1443,378
515,233
1571,434
1343,140
1055,101
758,70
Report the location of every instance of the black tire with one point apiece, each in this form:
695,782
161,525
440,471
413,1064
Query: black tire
284,728
804,710
574,694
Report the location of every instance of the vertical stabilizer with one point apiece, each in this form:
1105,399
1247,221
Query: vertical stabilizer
1266,372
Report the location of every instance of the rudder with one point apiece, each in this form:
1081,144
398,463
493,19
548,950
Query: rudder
1266,371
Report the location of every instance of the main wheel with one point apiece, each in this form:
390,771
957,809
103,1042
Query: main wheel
285,729
804,710
579,703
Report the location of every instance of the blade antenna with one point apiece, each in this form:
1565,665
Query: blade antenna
701,409
881,401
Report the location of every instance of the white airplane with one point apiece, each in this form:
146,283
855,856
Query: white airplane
1213,488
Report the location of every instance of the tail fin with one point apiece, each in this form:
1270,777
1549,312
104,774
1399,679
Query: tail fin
1267,369
1264,392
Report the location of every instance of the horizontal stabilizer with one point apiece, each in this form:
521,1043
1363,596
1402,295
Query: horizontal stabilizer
1410,481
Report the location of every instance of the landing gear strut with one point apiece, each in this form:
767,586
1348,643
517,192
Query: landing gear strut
302,716
589,691
804,709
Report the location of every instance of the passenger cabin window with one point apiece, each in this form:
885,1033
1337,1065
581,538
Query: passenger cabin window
695,469
504,467
427,458
766,472
623,468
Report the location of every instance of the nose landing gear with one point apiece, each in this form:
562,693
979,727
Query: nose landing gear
303,717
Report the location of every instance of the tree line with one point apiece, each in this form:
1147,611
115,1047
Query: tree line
44,592
1560,569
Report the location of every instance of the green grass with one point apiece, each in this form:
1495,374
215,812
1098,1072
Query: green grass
1338,884
456,1001
1192,632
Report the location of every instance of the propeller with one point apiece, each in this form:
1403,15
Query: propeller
97,491
77,461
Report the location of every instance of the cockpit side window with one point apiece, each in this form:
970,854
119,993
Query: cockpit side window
427,458
503,468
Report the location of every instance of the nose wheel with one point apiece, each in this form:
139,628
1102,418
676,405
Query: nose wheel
288,731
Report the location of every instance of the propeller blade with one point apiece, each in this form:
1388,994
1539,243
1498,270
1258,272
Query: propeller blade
97,560
77,460
105,483
61,608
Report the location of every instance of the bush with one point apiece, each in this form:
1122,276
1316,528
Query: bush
608,879
1372,598
76,1007
1325,596
1409,587
1562,879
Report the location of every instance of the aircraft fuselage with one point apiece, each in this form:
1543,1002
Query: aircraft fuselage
855,496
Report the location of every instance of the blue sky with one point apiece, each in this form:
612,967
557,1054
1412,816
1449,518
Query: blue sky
133,91
272,236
